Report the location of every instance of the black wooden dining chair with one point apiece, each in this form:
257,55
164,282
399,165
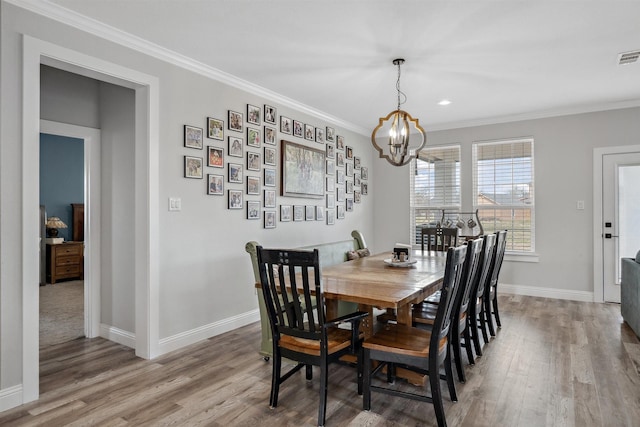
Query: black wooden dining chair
491,291
424,315
289,280
416,349
439,239
476,317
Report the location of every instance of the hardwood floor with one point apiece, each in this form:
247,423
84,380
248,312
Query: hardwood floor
553,363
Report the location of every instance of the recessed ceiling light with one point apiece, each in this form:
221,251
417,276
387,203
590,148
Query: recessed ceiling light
444,102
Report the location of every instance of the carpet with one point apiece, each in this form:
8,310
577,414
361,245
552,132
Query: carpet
61,312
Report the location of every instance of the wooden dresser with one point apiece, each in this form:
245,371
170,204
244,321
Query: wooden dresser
64,261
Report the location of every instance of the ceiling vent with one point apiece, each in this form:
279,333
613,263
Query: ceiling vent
628,57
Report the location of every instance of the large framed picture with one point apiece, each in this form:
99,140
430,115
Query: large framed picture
235,199
216,185
193,167
235,146
192,137
270,114
215,128
216,157
236,121
302,171
235,173
253,114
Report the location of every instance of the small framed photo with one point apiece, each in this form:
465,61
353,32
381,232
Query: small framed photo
285,213
253,185
269,135
215,128
216,185
331,184
253,161
269,156
320,135
193,167
331,201
269,219
339,158
349,169
349,205
253,209
356,162
298,129
309,132
356,196
340,142
330,135
216,157
364,188
340,211
319,213
253,137
331,217
348,186
349,152
253,114
339,194
236,121
269,198
285,125
331,167
193,137
270,114
331,151
235,173
235,146
365,173
235,199
356,179
269,177
310,213
298,213
339,176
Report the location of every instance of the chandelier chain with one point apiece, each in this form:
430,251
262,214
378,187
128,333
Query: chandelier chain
402,98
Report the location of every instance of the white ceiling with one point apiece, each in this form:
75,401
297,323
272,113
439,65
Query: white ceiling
495,60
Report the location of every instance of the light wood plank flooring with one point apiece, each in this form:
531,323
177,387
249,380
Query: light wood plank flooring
553,363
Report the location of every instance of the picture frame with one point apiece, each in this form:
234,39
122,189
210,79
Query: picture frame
253,114
357,197
320,135
331,151
253,137
193,137
309,213
330,135
348,152
298,129
285,125
331,201
285,213
319,213
269,177
349,204
339,142
364,172
331,217
253,161
235,146
364,188
253,185
215,157
193,167
234,173
269,219
234,199
269,198
339,159
331,184
215,185
215,128
339,176
235,121
348,186
356,179
269,156
340,211
298,213
309,132
253,209
269,135
302,171
356,162
339,194
331,167
270,114
349,169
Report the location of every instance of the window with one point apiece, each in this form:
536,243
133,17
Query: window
435,185
503,190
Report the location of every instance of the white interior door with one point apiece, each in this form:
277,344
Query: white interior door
620,217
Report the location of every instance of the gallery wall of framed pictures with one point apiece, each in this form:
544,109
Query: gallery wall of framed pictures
322,178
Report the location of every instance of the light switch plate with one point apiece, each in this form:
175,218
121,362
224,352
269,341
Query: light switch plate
580,205
175,204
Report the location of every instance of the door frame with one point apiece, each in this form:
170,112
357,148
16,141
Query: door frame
145,209
598,259
92,232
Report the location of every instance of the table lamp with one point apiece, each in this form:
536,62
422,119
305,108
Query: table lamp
53,224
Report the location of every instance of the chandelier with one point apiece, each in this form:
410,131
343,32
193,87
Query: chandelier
398,126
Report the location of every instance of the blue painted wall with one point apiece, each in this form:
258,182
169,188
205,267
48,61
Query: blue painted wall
61,177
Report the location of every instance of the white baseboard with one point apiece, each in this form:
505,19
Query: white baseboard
534,291
186,338
118,335
10,397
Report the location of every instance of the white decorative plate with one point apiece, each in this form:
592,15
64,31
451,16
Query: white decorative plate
393,263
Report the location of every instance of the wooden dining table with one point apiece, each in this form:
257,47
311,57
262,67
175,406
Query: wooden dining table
370,282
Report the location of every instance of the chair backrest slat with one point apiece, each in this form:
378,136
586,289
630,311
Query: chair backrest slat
486,260
439,239
471,268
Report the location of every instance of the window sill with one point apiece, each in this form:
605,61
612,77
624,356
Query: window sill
521,257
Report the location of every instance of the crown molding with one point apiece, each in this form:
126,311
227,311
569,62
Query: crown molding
109,33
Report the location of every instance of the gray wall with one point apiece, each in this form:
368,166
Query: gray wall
563,175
